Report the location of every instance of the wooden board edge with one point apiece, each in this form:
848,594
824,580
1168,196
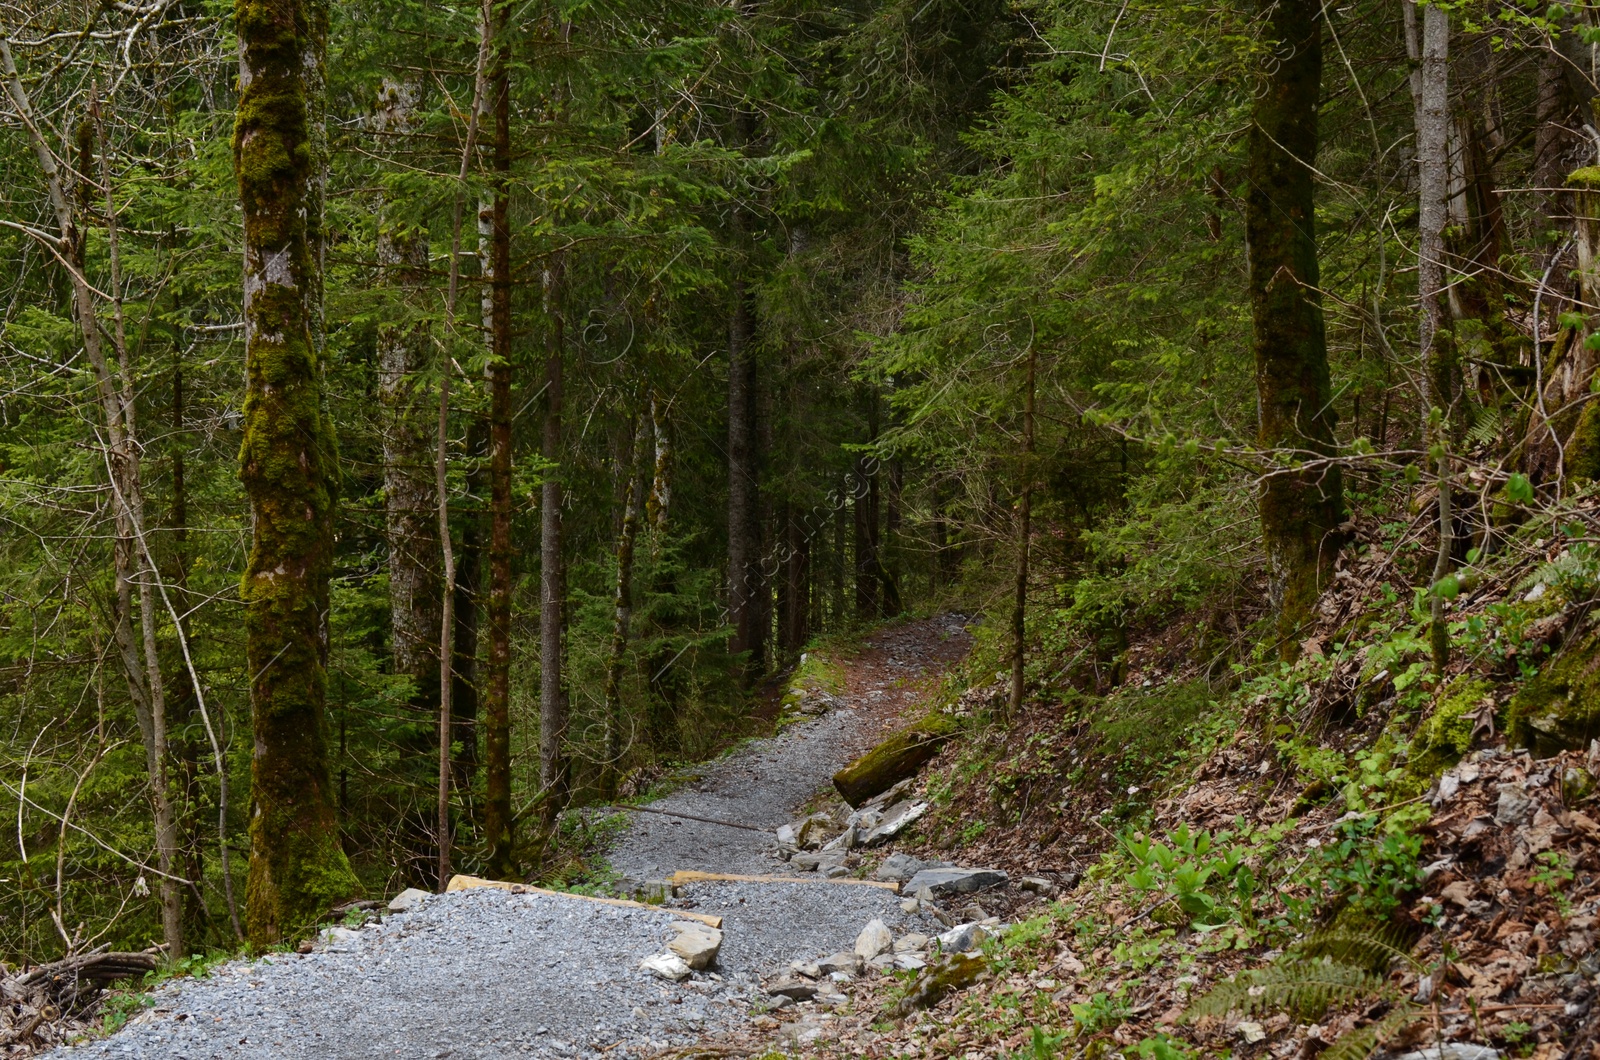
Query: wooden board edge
467,883
696,876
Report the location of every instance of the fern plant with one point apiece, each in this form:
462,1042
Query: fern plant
1340,965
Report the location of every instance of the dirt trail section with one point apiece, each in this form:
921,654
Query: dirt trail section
487,973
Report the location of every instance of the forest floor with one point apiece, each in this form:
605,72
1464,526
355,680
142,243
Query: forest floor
484,973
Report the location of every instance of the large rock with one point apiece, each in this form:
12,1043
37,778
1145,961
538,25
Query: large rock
898,868
937,981
696,943
407,900
942,883
893,760
1559,710
873,940
896,819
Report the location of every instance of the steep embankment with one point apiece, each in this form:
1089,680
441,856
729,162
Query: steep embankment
1349,855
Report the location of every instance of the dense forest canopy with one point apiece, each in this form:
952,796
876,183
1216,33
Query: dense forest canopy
613,352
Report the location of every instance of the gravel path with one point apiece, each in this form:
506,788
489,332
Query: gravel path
484,974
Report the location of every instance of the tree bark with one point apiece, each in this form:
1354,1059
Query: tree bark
1433,181
410,497
744,575
297,867
1019,605
552,583
497,817
622,604
1300,509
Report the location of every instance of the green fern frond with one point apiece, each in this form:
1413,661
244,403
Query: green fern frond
1372,947
1359,1043
1485,426
1303,987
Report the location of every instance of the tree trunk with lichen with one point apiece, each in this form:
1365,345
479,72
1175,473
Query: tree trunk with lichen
406,422
1300,507
288,466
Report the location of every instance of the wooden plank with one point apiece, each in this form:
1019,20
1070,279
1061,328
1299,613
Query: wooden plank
467,883
695,876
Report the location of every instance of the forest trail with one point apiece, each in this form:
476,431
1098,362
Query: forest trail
484,973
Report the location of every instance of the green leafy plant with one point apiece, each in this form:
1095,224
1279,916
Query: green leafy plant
1208,877
1554,873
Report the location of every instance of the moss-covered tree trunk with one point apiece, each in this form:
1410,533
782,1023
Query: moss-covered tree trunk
1300,505
288,465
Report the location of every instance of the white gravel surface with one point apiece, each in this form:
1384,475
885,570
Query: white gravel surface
489,974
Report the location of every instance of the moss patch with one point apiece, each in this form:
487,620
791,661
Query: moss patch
1559,710
1446,736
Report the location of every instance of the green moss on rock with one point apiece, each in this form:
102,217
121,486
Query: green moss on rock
1583,448
893,760
1559,710
1446,735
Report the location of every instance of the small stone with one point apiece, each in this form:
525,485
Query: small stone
1252,1032
849,839
1037,885
814,831
666,965
1577,784
778,1002
786,835
1514,808
962,939
874,939
911,906
1454,1051
793,989
912,943
850,963
407,900
696,943
909,962
808,969
835,870
955,881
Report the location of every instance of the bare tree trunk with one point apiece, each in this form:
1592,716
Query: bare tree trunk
415,600
1019,606
622,613
297,866
1433,171
659,506
552,587
497,817
743,485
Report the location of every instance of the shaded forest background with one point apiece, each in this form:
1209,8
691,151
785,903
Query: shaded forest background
761,322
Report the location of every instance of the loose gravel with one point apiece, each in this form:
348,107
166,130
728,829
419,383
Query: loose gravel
486,974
